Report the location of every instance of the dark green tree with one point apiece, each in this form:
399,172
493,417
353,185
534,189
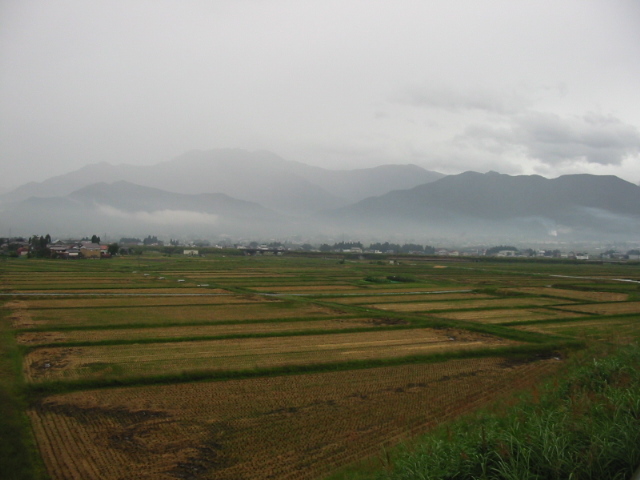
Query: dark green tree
38,246
385,247
150,240
500,248
346,245
411,247
130,240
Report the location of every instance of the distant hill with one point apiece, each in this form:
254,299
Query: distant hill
283,185
574,206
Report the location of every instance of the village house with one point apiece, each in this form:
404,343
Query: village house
90,250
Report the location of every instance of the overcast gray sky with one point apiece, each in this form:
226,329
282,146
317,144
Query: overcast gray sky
519,87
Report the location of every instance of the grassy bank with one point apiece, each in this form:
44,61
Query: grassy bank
586,426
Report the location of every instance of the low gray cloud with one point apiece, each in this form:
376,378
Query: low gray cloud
593,138
555,140
447,98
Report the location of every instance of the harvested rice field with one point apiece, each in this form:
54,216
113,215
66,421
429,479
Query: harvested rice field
281,367
138,301
508,315
245,353
164,315
291,427
159,333
307,289
606,308
467,304
613,330
404,298
179,289
592,296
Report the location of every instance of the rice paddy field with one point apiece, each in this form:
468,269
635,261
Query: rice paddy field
278,367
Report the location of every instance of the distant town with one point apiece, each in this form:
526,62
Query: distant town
93,248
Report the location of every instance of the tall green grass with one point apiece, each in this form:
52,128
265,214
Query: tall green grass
587,427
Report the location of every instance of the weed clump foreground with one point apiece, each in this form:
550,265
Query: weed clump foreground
586,427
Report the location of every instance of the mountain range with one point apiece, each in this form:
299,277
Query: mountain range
259,194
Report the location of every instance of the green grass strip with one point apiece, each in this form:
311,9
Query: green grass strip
19,458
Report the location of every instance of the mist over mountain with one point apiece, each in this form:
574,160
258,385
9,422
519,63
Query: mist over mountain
124,207
259,194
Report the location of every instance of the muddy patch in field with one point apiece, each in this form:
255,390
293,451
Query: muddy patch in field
176,448
516,361
44,361
207,457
